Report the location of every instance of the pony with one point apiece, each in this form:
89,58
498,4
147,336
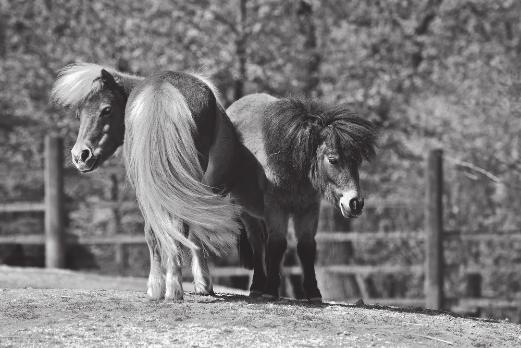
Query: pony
309,151
182,156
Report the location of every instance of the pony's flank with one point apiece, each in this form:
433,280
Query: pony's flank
76,82
162,165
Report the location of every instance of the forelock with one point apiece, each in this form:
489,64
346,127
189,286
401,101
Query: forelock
351,135
76,83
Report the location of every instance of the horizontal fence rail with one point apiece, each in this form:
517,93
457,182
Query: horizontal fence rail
321,237
22,207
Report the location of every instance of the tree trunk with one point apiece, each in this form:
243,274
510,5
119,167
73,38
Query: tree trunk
240,50
312,58
3,43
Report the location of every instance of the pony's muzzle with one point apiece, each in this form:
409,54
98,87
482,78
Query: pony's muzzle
83,158
351,205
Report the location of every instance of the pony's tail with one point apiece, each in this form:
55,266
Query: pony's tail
162,164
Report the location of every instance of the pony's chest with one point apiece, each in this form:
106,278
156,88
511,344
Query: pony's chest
291,195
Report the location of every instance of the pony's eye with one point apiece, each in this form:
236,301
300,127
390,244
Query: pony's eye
105,111
333,160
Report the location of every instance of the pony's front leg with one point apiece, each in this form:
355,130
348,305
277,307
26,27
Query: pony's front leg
174,279
277,226
306,224
200,271
156,282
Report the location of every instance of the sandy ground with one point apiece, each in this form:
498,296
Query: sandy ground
63,308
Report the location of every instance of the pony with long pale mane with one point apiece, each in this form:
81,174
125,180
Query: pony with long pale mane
182,156
308,150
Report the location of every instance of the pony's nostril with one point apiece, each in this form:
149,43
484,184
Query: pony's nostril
85,155
356,205
353,204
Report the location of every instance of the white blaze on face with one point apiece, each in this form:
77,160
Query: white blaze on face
344,202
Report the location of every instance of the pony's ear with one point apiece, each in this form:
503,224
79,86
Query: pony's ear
107,79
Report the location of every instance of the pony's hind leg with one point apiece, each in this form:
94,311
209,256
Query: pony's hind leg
257,238
305,229
156,281
200,271
277,226
174,279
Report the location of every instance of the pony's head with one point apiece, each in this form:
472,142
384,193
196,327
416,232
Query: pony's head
344,141
325,145
98,100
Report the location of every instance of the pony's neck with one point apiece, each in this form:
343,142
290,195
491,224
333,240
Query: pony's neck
285,175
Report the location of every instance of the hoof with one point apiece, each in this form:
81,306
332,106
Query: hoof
154,295
270,297
203,290
360,303
313,294
255,293
174,296
156,289
174,291
316,300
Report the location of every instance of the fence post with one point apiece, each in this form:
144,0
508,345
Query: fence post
120,256
473,289
434,230
54,229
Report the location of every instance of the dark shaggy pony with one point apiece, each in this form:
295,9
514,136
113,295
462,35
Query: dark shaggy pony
308,150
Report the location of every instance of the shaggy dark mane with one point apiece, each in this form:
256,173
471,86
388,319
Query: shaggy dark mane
293,129
350,134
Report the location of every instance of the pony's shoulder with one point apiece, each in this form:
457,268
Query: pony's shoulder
247,115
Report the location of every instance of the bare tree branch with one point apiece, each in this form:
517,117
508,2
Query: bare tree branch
464,164
491,176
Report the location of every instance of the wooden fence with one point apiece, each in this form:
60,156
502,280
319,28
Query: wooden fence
52,207
55,241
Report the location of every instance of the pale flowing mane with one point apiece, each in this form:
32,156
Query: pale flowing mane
76,82
79,81
293,130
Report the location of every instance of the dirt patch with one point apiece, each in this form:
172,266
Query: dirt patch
94,317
